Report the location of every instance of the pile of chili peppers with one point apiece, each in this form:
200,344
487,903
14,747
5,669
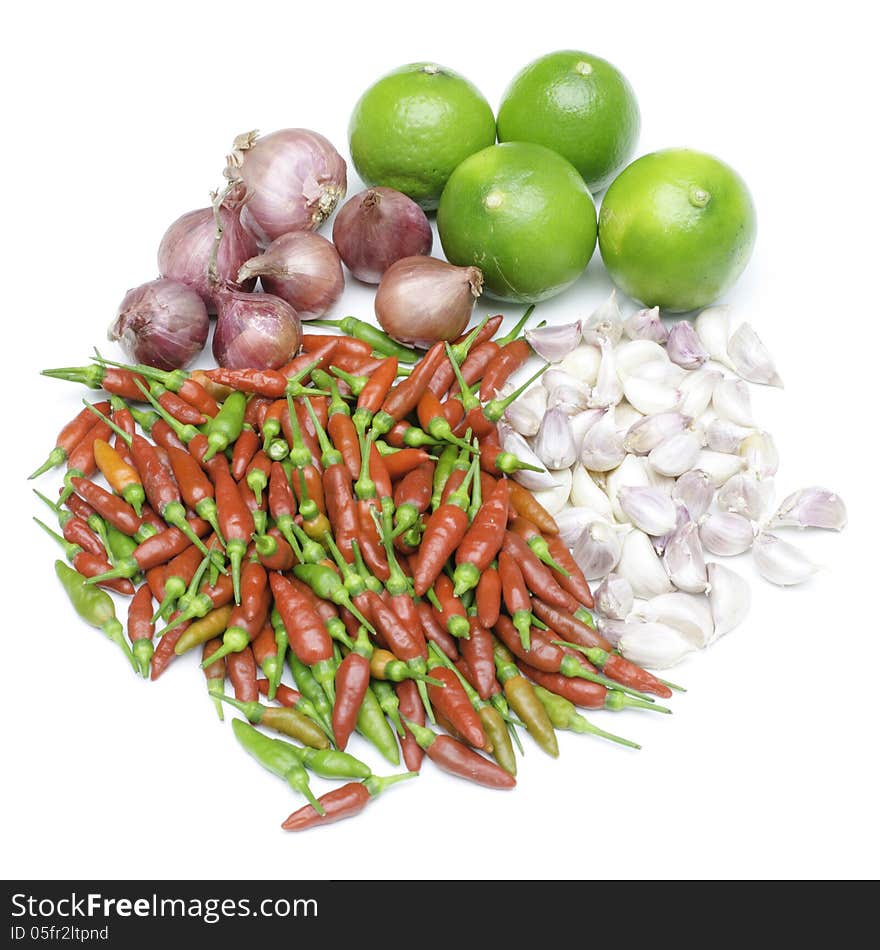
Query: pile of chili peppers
347,519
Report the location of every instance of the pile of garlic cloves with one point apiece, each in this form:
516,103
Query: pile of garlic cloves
653,462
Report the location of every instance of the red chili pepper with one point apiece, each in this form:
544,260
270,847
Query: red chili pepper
262,382
343,802
325,609
79,507
455,757
411,707
524,503
242,671
505,363
71,435
112,509
433,418
309,639
477,652
196,489
401,641
341,508
121,476
314,487
369,543
516,597
82,457
164,652
123,419
434,632
568,627
78,532
274,552
405,396
474,366
141,627
399,464
448,609
93,565
254,581
345,440
246,446
462,347
352,680
236,523
576,583
156,579
307,430
341,344
452,701
538,576
266,650
179,408
483,539
285,695
488,597
374,394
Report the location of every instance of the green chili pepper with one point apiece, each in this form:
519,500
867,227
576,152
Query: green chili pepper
373,726
521,696
390,704
564,715
442,471
311,689
380,341
370,582
226,426
119,546
276,759
325,582
95,606
328,763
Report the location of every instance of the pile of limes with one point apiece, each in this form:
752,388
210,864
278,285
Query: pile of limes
675,229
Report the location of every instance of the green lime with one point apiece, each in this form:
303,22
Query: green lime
523,215
410,129
677,229
580,106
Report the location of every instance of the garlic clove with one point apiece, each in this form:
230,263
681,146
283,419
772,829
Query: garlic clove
731,400
583,363
626,416
697,388
522,418
605,321
652,430
602,448
718,466
649,509
695,490
750,358
690,614
682,517
649,396
746,495
610,628
780,562
730,598
722,435
759,451
554,342
684,559
713,329
514,443
585,493
633,359
581,423
811,508
684,347
654,645
640,565
572,522
597,550
726,533
614,597
554,442
608,390
633,471
646,325
553,499
676,455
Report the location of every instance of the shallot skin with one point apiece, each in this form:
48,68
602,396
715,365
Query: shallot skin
294,179
377,227
255,331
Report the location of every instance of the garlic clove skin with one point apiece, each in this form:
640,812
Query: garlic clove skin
554,442
649,509
522,418
759,451
632,471
610,628
695,490
718,466
535,481
750,358
654,645
614,597
683,346
659,541
640,565
730,599
572,522
598,549
713,329
726,533
746,495
781,563
608,390
811,508
652,430
649,396
731,400
602,448
690,614
684,559
554,343
585,493
581,423
583,363
626,416
697,389
554,499
676,455
722,435
646,325
635,357
605,321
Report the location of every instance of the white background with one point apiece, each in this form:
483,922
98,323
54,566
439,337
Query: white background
117,119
